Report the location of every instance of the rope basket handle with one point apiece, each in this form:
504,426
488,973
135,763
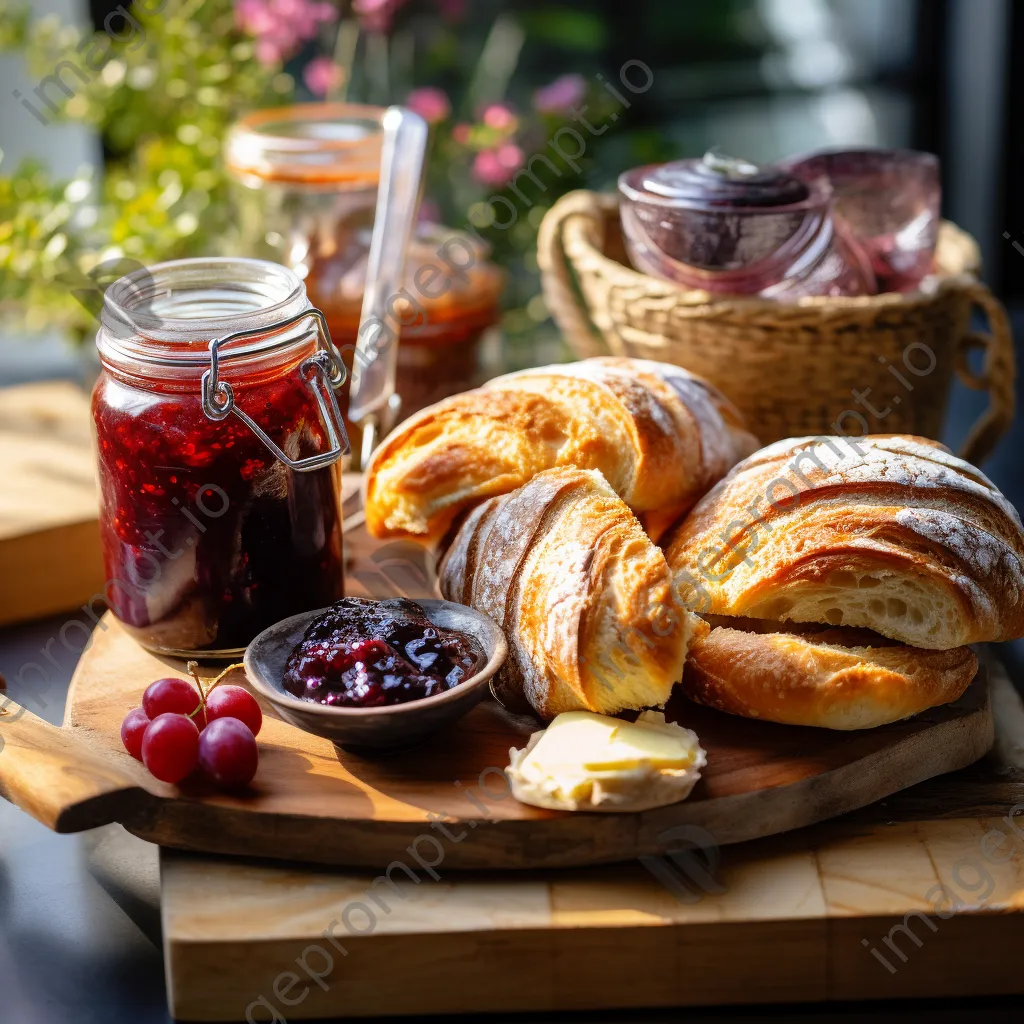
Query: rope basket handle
997,374
561,291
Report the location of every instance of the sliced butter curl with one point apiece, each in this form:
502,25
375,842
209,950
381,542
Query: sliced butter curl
589,762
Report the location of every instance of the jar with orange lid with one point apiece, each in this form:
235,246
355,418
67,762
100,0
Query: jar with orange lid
305,184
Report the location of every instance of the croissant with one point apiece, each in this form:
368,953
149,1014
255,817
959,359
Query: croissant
583,595
888,532
659,435
834,678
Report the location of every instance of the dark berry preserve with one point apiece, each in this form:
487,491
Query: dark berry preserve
208,536
363,654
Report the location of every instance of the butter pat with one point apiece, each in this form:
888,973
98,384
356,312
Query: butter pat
589,762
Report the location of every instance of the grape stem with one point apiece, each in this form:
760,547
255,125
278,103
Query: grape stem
204,691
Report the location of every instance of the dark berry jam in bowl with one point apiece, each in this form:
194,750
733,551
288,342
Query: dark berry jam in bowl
210,533
377,675
366,654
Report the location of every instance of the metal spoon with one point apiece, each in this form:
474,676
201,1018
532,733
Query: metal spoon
373,403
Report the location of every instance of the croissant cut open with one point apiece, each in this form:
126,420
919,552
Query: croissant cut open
887,532
583,595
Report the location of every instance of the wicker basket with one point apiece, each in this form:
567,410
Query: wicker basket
793,369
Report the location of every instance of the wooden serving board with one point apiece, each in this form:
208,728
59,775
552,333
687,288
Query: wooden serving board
311,803
796,917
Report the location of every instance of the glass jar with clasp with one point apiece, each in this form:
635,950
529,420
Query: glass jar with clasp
219,438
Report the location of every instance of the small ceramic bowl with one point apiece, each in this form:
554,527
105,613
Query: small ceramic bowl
394,726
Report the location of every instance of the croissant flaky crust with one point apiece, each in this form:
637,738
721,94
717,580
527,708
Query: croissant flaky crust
832,678
660,436
584,597
888,532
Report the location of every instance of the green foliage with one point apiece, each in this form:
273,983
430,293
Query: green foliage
566,28
44,230
162,104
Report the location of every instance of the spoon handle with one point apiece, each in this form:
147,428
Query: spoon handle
373,372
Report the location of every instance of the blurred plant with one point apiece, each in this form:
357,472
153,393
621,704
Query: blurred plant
162,104
488,120
42,224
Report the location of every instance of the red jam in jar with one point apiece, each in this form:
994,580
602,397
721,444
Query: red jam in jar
209,535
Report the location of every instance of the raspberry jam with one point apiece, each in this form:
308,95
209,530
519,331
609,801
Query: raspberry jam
362,654
208,537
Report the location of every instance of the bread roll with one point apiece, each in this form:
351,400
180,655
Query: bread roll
584,597
660,436
888,532
834,678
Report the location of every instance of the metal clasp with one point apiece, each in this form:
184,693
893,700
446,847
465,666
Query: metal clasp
324,372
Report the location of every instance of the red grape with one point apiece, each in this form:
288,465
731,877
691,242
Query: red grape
228,753
172,697
170,748
235,702
132,730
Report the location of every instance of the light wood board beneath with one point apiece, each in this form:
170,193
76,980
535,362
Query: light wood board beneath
787,926
50,557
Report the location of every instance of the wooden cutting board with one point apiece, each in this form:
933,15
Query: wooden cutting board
50,557
813,915
311,802
795,918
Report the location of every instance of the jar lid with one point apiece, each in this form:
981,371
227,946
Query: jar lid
160,320
326,145
716,182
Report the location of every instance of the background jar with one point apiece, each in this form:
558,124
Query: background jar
210,533
305,187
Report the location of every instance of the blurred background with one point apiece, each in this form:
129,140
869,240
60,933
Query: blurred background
125,160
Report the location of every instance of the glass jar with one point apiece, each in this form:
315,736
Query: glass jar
728,226
219,440
305,187
889,201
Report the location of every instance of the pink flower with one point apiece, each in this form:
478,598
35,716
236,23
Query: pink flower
322,75
461,133
281,26
496,166
500,117
268,52
561,95
430,103
377,15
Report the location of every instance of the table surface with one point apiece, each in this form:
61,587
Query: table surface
80,930
81,943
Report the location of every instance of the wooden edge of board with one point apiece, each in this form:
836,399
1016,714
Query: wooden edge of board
600,968
49,773
575,840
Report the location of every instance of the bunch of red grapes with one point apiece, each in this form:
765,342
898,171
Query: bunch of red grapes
180,727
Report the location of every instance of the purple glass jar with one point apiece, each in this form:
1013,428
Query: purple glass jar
888,201
728,226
